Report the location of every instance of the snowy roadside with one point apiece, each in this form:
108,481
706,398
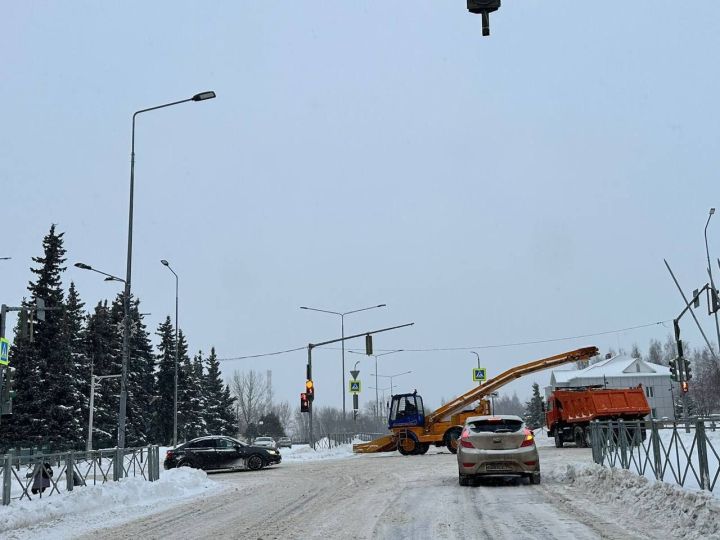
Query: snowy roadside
92,507
303,452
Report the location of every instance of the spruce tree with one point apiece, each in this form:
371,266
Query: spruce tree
534,414
191,423
81,369
213,390
140,374
103,345
45,410
165,382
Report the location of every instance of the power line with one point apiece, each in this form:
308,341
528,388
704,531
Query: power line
496,346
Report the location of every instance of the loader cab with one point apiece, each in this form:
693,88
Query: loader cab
406,410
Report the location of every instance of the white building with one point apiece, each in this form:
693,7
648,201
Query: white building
624,372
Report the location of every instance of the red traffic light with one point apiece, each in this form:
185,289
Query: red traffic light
304,403
685,387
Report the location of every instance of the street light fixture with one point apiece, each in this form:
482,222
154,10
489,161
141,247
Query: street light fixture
109,277
5,258
391,377
342,329
712,284
177,351
202,96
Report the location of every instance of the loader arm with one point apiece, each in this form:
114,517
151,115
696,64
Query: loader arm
504,378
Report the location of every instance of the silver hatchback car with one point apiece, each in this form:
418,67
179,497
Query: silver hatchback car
497,446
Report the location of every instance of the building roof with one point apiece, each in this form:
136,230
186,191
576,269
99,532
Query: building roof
616,366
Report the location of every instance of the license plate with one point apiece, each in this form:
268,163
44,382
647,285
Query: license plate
498,467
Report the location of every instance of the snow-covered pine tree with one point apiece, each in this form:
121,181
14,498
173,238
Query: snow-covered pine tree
534,416
165,382
75,318
191,423
140,374
214,395
104,346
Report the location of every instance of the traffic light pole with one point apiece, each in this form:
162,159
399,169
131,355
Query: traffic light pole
311,346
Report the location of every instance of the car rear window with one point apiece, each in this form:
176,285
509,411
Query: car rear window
495,425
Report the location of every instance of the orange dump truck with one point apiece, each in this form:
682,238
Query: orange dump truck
570,410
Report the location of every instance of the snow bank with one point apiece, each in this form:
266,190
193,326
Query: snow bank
85,508
693,514
303,452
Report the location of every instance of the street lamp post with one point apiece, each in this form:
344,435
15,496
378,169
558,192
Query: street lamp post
342,330
126,303
177,352
712,284
478,359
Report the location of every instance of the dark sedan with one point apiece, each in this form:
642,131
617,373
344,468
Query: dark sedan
220,452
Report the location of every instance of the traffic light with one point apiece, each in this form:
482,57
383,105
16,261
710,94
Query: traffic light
304,403
673,370
8,391
368,345
687,370
685,387
310,390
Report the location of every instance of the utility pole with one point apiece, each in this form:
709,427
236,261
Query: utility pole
93,380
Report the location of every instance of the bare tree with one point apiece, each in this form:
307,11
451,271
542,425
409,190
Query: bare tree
283,411
253,394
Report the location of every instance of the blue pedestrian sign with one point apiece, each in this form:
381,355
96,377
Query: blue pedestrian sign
354,386
479,374
4,352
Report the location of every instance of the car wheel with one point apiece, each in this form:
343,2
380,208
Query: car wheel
185,463
535,478
254,462
463,480
558,438
451,438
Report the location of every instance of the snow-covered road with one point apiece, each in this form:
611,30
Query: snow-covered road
392,496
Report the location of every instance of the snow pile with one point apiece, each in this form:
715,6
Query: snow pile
303,452
693,514
102,505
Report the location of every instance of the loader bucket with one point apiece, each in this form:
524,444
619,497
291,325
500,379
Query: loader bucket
383,444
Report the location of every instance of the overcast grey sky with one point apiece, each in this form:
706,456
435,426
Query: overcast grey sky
491,190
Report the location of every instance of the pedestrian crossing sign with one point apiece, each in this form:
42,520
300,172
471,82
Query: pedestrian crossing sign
4,352
479,374
354,387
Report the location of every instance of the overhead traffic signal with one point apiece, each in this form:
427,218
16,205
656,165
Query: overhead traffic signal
685,387
304,403
686,369
368,344
310,389
674,370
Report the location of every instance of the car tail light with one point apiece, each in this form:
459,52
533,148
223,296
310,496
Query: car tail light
529,438
468,464
169,455
530,463
466,444
465,433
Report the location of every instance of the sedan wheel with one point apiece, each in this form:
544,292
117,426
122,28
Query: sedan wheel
254,463
185,463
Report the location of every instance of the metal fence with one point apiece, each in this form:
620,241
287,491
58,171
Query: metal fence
670,452
44,474
331,440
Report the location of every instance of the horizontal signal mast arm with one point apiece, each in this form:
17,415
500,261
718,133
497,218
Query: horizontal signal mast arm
504,378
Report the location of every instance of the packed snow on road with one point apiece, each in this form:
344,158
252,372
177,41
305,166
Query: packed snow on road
334,493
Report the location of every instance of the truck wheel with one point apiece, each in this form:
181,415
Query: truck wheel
407,444
558,438
451,438
579,436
